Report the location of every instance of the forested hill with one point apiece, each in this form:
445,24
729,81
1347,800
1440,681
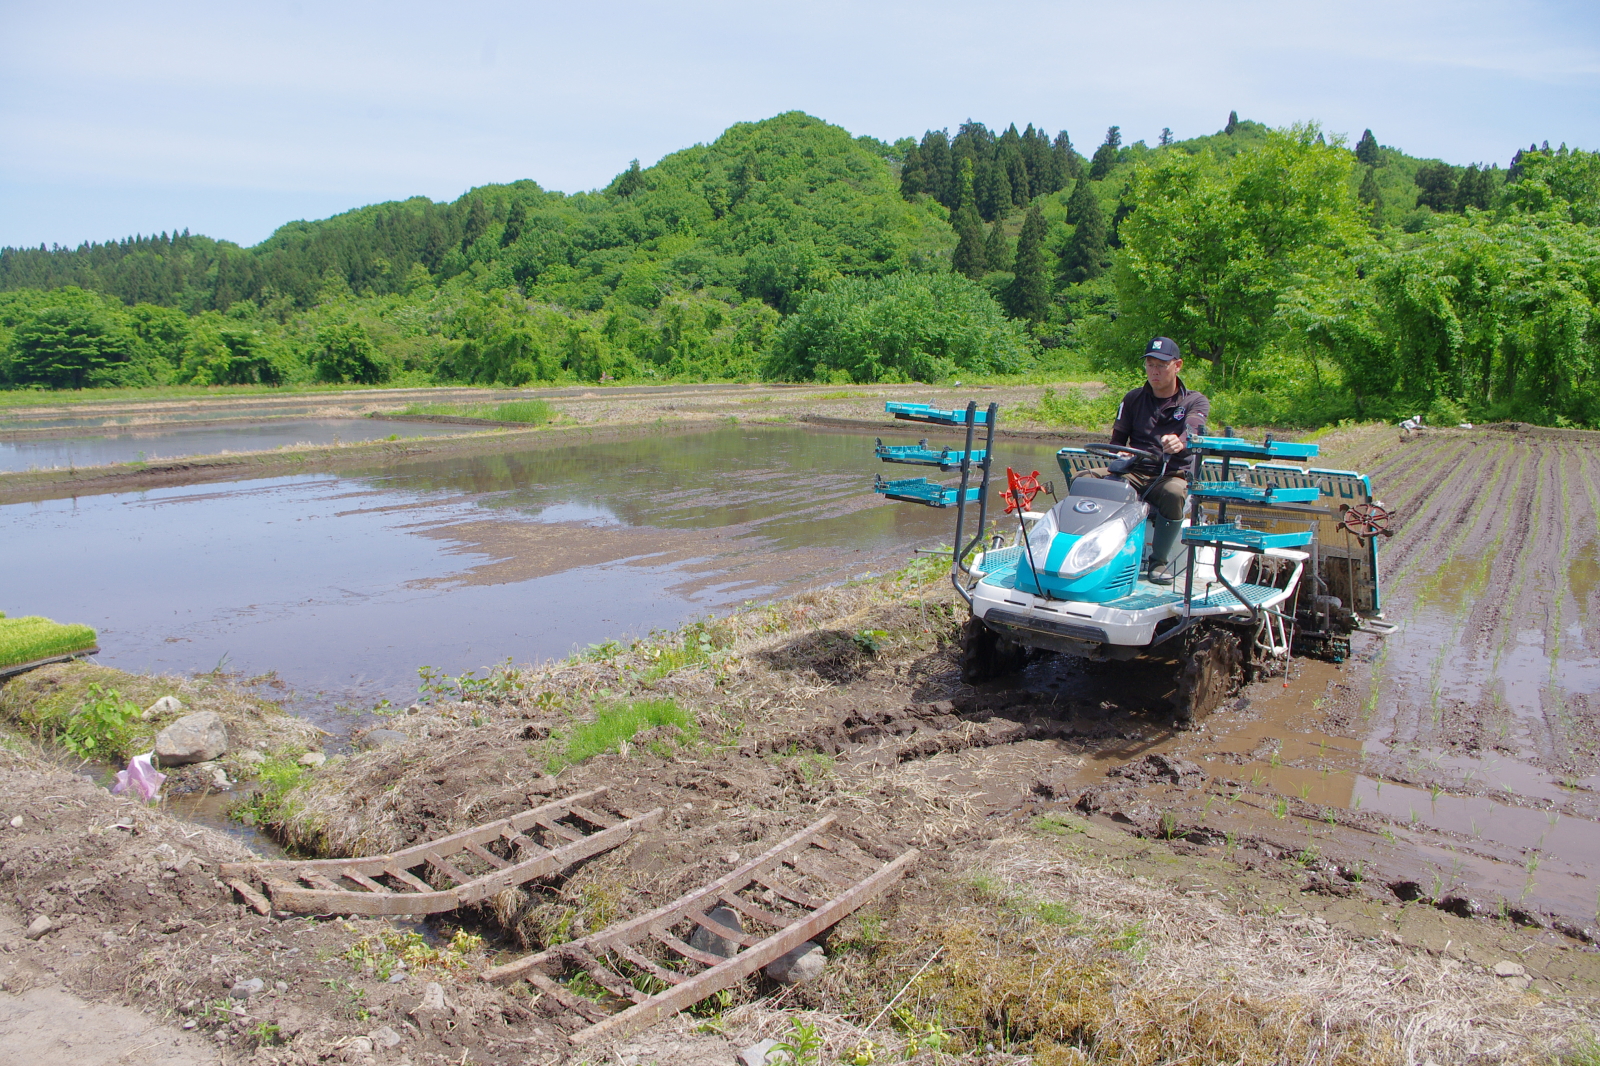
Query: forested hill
766,210
1307,280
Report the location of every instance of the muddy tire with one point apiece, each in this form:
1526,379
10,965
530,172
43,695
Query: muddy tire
1211,671
986,656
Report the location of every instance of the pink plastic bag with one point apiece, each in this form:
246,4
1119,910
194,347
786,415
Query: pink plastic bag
141,776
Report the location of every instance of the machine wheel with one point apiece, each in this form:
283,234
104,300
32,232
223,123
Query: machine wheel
985,655
1211,672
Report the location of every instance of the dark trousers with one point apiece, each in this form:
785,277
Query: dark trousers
1167,497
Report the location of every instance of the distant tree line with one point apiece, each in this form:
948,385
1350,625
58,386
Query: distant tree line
1309,281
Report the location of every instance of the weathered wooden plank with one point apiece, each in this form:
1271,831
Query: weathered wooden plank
687,950
417,854
727,932
725,973
488,856
366,882
670,913
446,867
429,900
256,900
765,917
560,830
593,817
793,895
648,966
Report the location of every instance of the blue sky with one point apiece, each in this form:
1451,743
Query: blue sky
230,119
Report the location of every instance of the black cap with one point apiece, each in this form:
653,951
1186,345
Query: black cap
1164,348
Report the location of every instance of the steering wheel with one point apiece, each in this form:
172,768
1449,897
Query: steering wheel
1126,451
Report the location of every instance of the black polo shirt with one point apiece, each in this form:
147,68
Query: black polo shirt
1143,418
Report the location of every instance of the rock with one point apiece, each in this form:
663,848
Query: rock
804,963
1505,968
312,759
249,757
756,1054
384,1037
16,822
731,858
219,779
281,986
161,708
382,738
39,927
193,738
432,998
703,939
358,1048
247,988
1157,767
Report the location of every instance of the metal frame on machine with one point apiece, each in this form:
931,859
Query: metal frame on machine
925,492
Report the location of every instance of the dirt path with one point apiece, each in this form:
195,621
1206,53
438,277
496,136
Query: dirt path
49,1026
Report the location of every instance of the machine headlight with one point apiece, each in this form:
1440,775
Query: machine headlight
1095,549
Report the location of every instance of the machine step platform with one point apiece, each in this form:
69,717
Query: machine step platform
923,412
1233,490
1234,536
1247,449
921,455
921,490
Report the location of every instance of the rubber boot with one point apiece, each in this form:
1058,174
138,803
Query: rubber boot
1163,544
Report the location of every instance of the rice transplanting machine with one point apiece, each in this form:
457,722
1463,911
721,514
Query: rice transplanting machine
1277,558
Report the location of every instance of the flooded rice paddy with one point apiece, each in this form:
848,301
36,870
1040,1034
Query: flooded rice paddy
149,443
341,586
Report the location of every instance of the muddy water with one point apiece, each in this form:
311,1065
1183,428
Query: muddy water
341,587
172,442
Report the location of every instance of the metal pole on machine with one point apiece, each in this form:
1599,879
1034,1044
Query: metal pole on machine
961,546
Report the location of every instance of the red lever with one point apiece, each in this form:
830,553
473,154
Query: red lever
1024,487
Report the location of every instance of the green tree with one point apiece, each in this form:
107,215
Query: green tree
1567,186
345,352
1215,244
1084,256
1233,123
1372,196
1029,293
629,181
71,345
969,257
909,327
997,250
1105,156
1367,149
1437,182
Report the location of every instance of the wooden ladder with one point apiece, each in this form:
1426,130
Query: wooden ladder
472,865
789,894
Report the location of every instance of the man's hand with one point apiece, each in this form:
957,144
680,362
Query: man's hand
1171,443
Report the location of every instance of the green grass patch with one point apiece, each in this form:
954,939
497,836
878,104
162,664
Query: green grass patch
528,412
1083,407
618,723
22,640
269,803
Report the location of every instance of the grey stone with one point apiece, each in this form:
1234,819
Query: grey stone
383,738
1505,968
247,988
756,1054
16,821
384,1036
312,759
197,737
219,779
281,986
39,927
161,708
804,963
703,939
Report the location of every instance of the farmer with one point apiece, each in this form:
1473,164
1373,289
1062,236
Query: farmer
1160,416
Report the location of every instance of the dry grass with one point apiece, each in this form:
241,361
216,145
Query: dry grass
1074,963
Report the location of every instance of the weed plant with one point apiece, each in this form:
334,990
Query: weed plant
617,724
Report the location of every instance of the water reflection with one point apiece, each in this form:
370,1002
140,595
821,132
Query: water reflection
344,585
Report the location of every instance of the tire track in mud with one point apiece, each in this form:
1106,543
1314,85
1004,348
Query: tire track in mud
1432,475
